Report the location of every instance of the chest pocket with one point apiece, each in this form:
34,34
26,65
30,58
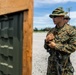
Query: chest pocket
62,38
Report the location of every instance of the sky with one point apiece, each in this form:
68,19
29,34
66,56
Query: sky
43,8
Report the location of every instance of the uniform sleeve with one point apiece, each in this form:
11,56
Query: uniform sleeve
45,43
69,47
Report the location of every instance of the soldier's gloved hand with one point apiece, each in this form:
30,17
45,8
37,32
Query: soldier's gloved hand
49,37
52,44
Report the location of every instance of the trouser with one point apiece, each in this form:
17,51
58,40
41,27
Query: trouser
53,70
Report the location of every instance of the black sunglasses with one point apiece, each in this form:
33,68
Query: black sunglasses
55,16
66,18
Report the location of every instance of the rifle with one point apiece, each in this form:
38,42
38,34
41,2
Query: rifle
56,57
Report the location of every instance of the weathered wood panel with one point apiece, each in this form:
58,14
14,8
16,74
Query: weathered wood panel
9,6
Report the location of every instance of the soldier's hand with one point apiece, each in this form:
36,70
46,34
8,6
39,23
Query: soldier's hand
49,37
52,44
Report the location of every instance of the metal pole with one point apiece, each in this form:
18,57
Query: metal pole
69,13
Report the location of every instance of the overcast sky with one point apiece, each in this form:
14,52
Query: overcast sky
42,9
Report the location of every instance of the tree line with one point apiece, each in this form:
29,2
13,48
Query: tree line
45,29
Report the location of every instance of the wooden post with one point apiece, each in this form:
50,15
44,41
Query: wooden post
27,40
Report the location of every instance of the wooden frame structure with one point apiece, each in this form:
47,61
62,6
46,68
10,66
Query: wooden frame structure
11,6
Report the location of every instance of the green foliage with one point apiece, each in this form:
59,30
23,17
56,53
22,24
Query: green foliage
45,29
41,30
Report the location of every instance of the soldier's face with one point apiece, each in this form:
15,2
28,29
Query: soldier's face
57,20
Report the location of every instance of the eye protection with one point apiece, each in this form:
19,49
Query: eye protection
55,16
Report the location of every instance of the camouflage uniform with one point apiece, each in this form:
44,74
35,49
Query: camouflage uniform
65,38
59,60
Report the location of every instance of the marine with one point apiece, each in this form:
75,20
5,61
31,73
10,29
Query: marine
60,42
66,19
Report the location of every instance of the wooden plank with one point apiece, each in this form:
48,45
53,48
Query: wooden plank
9,6
27,40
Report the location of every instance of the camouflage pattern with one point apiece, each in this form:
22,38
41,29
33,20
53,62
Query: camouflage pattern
59,60
67,17
58,12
